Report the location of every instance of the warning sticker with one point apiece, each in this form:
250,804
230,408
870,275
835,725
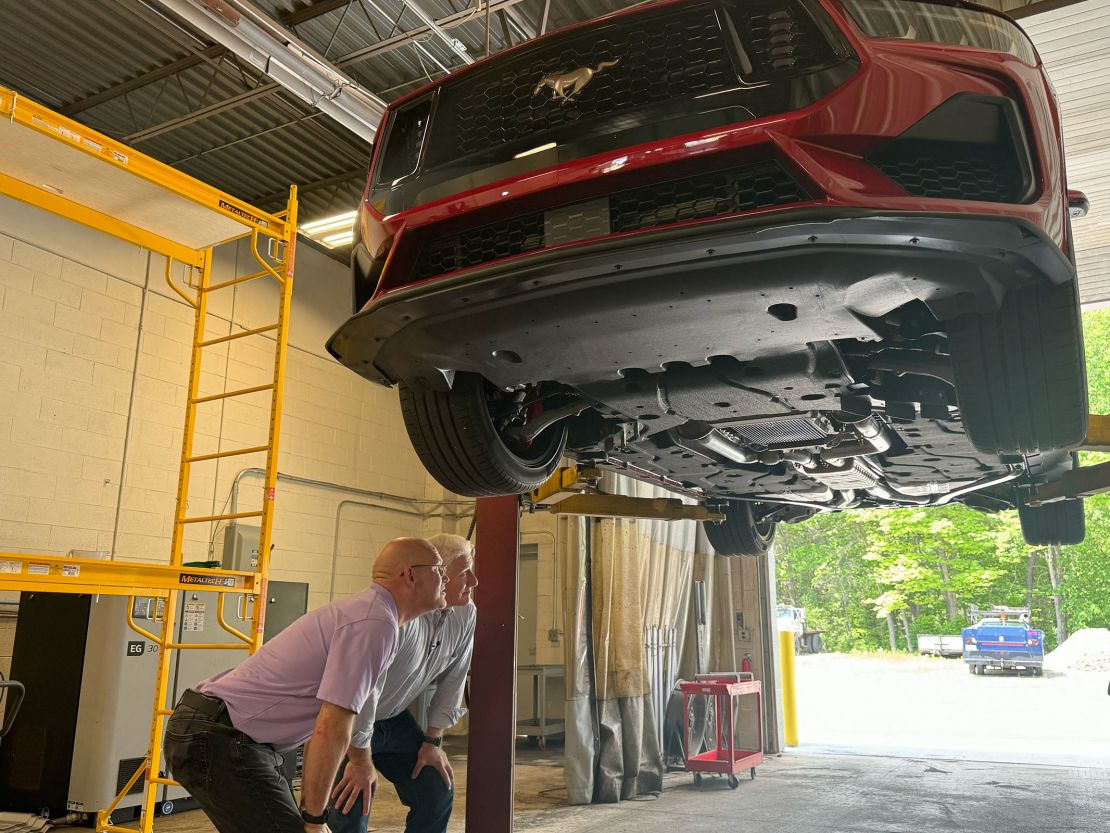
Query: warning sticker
71,570
119,157
38,569
11,567
193,620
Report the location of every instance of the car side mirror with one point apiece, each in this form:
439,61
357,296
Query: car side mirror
1078,204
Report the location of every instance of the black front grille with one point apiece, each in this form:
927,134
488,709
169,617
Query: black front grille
716,194
646,59
953,170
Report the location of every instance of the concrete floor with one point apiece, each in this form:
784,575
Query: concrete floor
807,793
802,792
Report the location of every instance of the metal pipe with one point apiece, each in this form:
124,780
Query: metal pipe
873,440
888,492
454,44
397,510
324,484
704,440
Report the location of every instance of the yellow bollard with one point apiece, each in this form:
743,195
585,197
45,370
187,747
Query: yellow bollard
789,694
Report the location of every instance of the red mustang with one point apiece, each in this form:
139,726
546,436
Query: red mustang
786,256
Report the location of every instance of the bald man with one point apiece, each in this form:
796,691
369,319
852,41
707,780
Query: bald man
433,648
310,681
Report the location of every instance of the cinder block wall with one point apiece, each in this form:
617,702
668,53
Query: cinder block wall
94,351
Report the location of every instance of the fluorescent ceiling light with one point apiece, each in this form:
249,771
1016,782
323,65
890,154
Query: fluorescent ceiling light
334,231
343,238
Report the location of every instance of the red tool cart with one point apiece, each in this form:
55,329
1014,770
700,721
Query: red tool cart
725,759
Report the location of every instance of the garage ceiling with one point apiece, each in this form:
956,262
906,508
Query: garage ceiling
130,69
1074,43
133,71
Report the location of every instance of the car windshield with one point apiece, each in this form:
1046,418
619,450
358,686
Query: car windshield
1000,623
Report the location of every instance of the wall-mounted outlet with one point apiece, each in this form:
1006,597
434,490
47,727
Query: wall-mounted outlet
744,635
553,635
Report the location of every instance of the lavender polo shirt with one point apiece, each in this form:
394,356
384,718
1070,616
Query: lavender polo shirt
335,654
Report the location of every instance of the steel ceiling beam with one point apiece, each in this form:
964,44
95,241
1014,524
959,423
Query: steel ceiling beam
271,48
189,61
454,44
315,185
349,60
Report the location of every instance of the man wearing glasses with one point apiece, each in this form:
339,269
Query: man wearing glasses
311,680
434,648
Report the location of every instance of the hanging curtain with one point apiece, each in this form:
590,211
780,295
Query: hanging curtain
622,577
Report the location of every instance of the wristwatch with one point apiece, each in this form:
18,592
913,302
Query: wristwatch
311,819
433,741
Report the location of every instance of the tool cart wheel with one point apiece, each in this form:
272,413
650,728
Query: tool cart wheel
697,779
733,782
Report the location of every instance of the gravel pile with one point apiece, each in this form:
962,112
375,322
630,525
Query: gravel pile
1084,650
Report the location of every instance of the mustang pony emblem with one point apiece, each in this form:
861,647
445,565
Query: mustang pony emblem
566,85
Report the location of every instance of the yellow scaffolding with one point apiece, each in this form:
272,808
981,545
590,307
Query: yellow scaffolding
61,166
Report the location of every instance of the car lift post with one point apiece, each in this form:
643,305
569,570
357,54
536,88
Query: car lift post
492,733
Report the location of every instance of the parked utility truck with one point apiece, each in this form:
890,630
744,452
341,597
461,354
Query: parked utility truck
1002,637
807,640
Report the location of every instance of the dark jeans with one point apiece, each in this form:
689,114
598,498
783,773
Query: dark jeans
235,780
395,746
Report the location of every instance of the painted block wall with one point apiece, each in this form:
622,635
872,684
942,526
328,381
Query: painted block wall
94,351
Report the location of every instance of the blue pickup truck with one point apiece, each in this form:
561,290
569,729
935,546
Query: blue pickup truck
1002,638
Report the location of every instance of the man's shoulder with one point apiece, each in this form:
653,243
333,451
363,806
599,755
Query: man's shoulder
463,618
374,604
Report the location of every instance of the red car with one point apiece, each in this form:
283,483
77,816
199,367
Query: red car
787,256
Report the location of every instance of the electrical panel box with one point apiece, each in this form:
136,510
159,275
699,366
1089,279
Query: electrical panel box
241,542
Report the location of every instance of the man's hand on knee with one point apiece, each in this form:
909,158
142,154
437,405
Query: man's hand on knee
436,758
359,779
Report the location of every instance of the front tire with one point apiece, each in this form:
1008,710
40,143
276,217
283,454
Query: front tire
1019,372
1053,524
454,436
742,532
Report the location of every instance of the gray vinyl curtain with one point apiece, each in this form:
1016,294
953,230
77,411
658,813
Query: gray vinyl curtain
622,578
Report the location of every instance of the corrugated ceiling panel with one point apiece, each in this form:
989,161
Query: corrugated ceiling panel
1074,43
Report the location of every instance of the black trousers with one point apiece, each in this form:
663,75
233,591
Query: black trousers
234,779
396,743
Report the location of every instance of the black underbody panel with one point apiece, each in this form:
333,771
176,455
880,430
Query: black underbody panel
806,401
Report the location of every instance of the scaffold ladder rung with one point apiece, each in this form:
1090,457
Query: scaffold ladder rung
224,284
234,452
242,334
228,394
231,517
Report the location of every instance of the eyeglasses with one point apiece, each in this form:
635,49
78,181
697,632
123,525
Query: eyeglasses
439,568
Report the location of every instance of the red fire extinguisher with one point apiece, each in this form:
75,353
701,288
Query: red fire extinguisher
746,663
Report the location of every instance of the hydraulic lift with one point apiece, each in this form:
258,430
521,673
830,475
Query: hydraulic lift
575,491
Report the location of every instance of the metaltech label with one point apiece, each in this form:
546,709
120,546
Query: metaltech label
209,581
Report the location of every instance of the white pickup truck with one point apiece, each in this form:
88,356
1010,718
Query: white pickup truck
940,646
